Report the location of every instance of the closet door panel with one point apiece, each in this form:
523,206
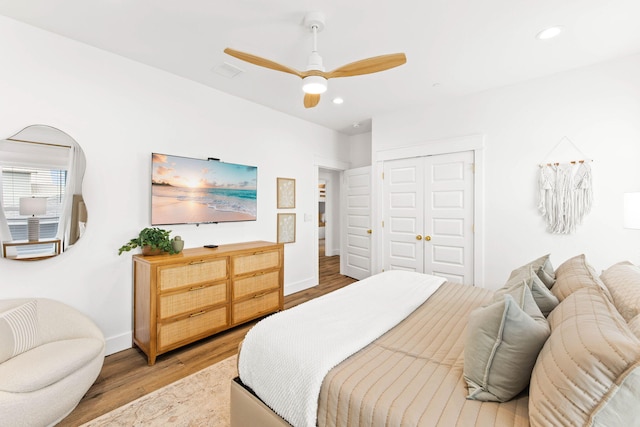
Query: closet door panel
448,216
403,201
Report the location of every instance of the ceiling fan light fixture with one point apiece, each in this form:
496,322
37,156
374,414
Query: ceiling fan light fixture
314,85
314,78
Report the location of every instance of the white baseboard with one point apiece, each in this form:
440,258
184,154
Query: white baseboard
292,288
119,343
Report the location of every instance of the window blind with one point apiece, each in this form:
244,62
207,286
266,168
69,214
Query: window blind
26,182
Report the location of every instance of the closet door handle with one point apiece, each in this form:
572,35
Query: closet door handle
369,231
418,237
427,238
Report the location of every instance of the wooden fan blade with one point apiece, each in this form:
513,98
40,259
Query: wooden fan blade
368,66
262,62
311,100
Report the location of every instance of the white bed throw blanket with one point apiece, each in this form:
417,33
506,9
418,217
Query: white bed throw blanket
285,357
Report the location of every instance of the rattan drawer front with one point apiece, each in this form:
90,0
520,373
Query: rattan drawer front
185,329
243,264
253,284
196,272
192,300
256,306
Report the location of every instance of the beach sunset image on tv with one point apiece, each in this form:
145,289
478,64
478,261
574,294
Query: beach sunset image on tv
192,191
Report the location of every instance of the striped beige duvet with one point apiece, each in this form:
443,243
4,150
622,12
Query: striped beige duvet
413,375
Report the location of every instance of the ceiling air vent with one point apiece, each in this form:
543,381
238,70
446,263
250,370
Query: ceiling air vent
227,70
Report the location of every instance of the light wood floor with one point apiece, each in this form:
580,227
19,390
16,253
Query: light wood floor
126,376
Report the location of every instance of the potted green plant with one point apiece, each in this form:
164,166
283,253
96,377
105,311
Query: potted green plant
152,241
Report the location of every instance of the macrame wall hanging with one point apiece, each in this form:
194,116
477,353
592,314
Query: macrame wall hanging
566,191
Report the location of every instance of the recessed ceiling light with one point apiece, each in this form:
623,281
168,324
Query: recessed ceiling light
338,100
549,33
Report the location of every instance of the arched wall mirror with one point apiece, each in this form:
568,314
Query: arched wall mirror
42,211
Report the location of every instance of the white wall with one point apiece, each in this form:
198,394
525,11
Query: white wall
360,150
120,111
596,107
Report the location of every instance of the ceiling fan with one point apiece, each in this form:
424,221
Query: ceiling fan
314,78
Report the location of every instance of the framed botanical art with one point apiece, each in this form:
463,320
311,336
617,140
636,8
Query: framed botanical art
286,227
286,193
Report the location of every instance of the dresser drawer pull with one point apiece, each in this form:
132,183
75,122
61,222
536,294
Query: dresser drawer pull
197,262
259,273
197,288
198,313
260,295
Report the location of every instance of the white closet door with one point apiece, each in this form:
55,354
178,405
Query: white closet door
403,198
428,215
356,261
448,216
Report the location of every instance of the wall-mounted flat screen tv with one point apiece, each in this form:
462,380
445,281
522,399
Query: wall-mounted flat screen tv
187,190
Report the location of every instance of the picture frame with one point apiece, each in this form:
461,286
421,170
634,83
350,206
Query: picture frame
286,228
286,193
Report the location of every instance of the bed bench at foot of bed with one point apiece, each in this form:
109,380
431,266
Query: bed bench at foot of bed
247,410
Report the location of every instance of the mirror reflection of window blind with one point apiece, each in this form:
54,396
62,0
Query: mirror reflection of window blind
20,182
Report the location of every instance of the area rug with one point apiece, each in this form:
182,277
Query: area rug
201,399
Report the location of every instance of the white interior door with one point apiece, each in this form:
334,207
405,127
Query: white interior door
448,216
403,198
355,259
428,215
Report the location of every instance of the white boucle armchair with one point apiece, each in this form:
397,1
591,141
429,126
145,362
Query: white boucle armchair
41,386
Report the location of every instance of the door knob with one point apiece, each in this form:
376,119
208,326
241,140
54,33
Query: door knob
369,231
418,237
427,238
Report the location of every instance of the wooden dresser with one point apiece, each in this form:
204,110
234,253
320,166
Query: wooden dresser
188,296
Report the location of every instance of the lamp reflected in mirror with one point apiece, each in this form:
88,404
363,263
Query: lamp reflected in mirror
42,210
32,206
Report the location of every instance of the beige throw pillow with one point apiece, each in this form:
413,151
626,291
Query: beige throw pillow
574,274
623,281
588,371
501,348
18,330
634,325
542,268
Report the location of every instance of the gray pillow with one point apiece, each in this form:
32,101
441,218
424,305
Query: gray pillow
542,268
501,348
522,295
18,330
545,299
